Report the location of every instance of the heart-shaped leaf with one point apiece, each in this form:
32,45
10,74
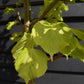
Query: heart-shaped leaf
78,52
70,48
51,37
31,63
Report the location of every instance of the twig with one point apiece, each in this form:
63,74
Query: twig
55,57
4,37
45,12
19,17
27,15
32,81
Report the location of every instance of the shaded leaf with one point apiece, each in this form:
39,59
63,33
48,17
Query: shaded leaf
81,0
78,52
79,33
18,3
55,13
70,48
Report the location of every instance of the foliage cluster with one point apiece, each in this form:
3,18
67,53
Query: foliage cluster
52,34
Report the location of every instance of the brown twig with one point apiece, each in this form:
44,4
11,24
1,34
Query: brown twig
19,17
4,36
45,12
55,57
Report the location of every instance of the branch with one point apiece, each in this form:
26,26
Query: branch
19,17
45,12
55,57
27,15
4,37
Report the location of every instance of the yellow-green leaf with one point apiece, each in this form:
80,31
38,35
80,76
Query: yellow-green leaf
8,10
31,63
78,52
11,24
51,37
79,33
70,48
25,41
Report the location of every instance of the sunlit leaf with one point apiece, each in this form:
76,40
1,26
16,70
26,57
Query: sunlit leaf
25,41
11,24
16,36
31,63
8,10
51,37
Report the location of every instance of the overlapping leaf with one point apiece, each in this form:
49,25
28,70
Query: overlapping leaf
51,37
54,14
75,49
79,33
78,52
16,36
70,48
30,63
20,45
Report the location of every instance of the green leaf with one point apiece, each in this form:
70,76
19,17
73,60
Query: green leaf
79,33
25,41
11,24
31,63
55,13
78,52
22,15
51,37
16,36
18,3
8,10
19,46
70,48
47,2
